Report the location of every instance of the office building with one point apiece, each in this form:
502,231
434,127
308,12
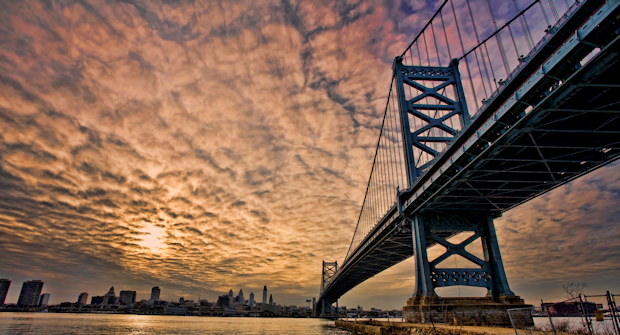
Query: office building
270,300
241,298
223,301
252,299
110,297
265,295
44,300
96,300
30,293
155,292
4,289
127,297
83,298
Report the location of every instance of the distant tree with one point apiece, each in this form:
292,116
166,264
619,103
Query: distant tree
574,290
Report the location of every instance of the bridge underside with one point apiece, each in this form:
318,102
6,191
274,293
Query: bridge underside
565,126
574,129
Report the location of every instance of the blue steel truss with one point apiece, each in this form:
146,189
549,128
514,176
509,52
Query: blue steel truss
433,116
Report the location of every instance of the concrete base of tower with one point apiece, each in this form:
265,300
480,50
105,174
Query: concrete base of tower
469,311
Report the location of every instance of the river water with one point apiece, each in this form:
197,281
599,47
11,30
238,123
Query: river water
59,323
78,324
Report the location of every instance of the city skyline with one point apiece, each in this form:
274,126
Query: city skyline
124,296
198,148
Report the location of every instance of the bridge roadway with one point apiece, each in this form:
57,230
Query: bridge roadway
551,122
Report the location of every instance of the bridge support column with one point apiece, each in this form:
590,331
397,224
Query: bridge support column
423,281
425,306
493,258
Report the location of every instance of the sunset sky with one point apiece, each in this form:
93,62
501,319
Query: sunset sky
202,146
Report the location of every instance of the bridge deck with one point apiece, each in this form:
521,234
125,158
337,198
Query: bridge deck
546,126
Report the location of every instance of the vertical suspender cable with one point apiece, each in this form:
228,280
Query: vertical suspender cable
446,36
423,28
373,195
490,65
389,149
449,52
436,47
367,196
430,131
428,57
471,82
414,119
498,39
380,195
386,168
514,43
390,189
401,165
384,176
526,30
380,180
553,10
392,151
399,149
471,15
542,9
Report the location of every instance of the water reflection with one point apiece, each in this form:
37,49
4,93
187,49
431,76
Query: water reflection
55,323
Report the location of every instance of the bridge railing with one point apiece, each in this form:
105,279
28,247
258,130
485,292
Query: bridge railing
491,40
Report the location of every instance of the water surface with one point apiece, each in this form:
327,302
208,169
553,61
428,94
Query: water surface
59,323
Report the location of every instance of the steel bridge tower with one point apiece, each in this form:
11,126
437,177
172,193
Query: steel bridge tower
329,271
438,227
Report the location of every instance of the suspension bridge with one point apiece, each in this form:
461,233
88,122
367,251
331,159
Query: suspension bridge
479,119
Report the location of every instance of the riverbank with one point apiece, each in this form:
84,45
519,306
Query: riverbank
373,327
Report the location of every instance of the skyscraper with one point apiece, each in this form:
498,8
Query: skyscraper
110,297
30,293
313,304
252,299
44,300
83,298
265,295
230,295
241,298
127,297
155,293
4,289
270,300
